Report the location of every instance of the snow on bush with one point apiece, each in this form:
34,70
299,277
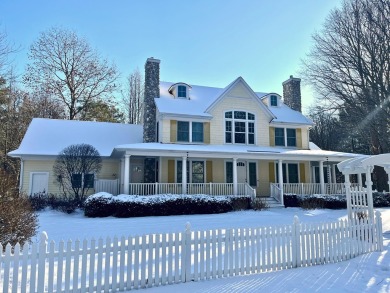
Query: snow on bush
104,204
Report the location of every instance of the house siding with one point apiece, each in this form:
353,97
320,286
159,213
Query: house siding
109,168
238,99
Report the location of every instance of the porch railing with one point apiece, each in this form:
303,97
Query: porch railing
191,188
276,193
308,188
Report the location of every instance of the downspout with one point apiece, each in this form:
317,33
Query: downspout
21,174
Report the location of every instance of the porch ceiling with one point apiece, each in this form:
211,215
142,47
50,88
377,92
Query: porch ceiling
229,151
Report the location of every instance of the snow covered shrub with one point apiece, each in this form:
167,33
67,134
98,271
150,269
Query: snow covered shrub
259,204
381,199
39,201
241,202
18,221
290,200
99,205
311,203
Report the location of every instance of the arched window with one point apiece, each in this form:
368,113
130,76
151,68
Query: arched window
239,127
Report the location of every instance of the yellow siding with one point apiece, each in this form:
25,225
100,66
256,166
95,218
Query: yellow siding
171,171
110,170
305,138
272,136
218,170
263,177
238,98
206,132
209,171
173,131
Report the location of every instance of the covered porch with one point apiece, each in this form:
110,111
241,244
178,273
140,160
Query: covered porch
157,168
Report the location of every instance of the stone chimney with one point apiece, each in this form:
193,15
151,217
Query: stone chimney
152,90
292,93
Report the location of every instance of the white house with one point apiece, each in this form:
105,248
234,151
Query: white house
195,139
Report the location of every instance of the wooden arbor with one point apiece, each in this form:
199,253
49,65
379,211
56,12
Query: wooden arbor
359,199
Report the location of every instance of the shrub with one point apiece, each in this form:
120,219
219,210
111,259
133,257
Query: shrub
259,204
18,221
381,199
311,203
104,204
290,200
241,202
62,203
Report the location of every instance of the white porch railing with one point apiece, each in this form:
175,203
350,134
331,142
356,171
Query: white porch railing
191,188
107,185
314,188
276,193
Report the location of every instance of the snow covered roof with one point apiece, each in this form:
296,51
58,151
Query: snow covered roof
226,151
50,136
202,97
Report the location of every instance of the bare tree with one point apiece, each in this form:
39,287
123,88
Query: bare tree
102,111
75,169
65,66
133,97
349,66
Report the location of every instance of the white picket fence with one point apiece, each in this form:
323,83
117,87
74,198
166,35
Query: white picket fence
158,259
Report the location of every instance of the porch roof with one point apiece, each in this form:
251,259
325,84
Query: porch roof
229,151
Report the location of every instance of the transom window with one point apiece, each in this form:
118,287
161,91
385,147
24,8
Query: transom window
239,127
285,137
181,91
274,101
185,128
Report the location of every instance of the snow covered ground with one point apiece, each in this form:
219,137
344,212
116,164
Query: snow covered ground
366,273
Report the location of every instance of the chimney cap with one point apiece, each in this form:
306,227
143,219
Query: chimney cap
292,78
152,59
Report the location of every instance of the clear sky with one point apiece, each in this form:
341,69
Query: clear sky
202,42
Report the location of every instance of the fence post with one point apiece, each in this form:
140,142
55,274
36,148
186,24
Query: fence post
187,249
379,235
42,261
211,188
296,243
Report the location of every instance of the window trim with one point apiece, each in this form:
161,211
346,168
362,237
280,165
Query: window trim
190,132
285,137
189,170
247,121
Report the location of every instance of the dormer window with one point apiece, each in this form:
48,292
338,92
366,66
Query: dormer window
180,90
274,101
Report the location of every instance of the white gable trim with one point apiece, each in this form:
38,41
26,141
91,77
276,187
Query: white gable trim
252,93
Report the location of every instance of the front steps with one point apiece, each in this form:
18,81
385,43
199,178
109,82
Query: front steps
271,202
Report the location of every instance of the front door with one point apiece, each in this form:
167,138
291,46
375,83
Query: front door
241,171
137,173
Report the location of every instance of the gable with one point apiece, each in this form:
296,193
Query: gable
239,93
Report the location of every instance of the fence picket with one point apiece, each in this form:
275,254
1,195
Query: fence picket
130,266
115,252
220,253
177,257
50,287
84,260
99,265
76,265
15,269
122,263
164,259
91,283
107,265
24,266
143,261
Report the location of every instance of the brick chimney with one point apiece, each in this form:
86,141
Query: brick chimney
152,91
292,93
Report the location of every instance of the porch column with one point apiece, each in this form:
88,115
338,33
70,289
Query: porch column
360,180
235,176
280,179
122,185
334,179
184,175
369,192
387,169
126,179
322,181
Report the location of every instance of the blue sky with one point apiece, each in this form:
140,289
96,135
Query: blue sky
203,42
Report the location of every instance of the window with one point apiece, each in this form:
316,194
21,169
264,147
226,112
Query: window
285,137
181,91
239,127
291,137
274,101
197,132
279,137
290,173
83,180
197,171
184,128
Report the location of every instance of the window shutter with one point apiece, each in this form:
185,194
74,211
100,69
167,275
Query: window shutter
206,132
173,130
272,136
209,171
271,172
171,171
299,138
302,175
